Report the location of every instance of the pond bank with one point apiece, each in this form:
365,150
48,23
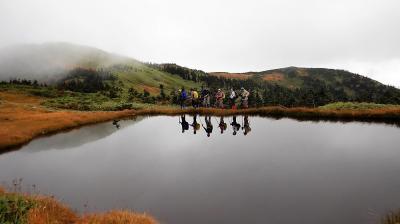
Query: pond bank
37,209
22,118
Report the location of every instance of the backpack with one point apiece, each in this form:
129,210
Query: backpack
195,95
183,94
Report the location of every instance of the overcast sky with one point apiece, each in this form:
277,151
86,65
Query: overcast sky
221,35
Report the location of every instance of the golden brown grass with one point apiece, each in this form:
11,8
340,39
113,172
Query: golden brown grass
47,210
117,217
22,119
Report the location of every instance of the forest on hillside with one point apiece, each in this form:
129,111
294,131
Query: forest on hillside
319,87
314,90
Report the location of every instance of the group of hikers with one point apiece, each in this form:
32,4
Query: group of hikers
208,126
203,98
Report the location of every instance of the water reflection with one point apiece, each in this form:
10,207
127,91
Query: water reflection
222,125
307,168
79,136
235,125
209,126
246,125
184,123
195,124
116,124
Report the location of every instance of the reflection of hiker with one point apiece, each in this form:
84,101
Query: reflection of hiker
184,123
115,123
235,126
195,98
205,96
183,97
209,126
195,125
246,125
244,94
232,99
222,125
219,99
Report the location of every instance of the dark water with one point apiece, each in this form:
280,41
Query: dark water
282,171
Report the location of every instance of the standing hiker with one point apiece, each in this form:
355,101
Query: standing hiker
219,99
244,94
205,95
195,98
183,97
232,99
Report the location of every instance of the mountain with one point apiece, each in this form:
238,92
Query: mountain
293,86
90,70
353,85
51,63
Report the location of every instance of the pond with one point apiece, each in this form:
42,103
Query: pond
257,170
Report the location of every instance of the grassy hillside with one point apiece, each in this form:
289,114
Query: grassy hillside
50,62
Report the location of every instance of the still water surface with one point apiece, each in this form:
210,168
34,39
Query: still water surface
270,171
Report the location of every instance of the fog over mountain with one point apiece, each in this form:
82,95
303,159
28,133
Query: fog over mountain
48,62
221,35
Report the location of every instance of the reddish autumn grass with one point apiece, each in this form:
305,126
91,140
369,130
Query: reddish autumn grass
241,76
273,77
150,89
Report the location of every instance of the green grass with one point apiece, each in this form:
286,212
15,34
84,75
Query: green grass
357,106
142,76
14,208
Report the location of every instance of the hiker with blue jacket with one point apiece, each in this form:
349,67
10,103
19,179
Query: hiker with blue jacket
183,97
